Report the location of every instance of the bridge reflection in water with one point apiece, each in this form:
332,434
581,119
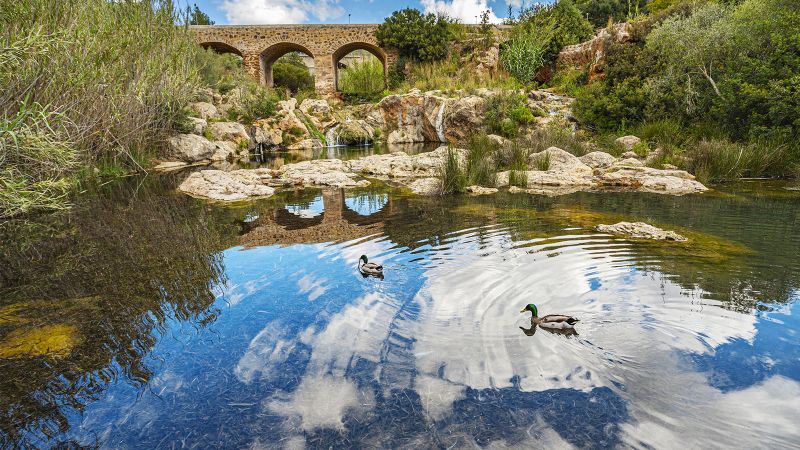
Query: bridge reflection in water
346,215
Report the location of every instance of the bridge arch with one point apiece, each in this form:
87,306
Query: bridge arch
272,53
221,47
350,47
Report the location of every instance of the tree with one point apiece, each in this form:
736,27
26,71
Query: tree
568,25
292,73
422,37
198,17
599,11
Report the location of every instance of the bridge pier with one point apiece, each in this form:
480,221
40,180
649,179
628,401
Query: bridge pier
251,62
324,74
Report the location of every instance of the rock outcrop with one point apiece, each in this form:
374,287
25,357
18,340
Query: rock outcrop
191,148
640,230
228,131
204,110
592,52
228,186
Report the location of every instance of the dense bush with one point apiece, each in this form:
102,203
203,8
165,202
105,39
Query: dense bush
421,37
362,78
98,80
506,114
219,71
290,72
736,66
599,11
524,55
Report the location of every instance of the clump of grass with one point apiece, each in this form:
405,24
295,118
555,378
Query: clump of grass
452,75
255,102
518,178
513,156
480,161
542,161
721,160
452,176
556,136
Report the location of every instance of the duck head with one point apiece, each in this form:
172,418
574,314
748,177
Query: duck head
364,259
532,308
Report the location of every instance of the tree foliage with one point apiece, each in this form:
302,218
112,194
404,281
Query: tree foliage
290,71
421,37
197,16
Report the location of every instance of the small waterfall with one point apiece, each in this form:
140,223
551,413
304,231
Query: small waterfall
332,137
440,122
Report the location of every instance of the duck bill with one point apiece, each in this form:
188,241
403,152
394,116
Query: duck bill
523,311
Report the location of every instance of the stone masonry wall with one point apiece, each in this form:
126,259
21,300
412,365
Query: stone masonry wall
260,45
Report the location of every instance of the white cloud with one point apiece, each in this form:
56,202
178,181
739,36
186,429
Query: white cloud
243,12
467,11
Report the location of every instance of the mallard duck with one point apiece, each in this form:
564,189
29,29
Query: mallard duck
368,268
551,320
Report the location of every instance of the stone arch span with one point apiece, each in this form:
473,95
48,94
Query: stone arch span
221,47
346,49
259,44
271,54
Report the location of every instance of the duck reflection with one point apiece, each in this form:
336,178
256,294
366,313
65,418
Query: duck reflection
568,332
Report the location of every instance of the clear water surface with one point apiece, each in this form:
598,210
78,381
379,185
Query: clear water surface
147,319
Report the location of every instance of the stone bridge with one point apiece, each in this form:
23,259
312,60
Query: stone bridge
261,45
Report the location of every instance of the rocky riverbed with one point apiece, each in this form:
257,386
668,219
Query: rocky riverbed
596,171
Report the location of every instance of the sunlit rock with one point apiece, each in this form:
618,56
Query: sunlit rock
204,110
629,142
598,159
426,186
640,230
321,172
228,131
647,179
191,147
228,186
480,190
198,125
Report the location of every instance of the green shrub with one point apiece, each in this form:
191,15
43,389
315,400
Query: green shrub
451,75
569,26
452,176
506,113
364,79
421,37
290,72
256,102
599,11
220,71
542,161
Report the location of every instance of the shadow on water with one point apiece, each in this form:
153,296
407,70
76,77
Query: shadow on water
144,318
86,294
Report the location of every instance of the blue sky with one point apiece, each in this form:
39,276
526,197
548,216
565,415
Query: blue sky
336,11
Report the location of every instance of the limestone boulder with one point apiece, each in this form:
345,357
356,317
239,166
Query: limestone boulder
629,142
263,133
198,125
227,150
464,116
320,172
481,190
191,148
426,186
629,162
315,107
598,160
229,131
204,110
413,117
351,132
306,144
640,230
499,141
228,186
647,179
561,161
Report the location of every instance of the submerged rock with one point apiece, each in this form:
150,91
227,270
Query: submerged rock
169,166
228,186
480,190
641,230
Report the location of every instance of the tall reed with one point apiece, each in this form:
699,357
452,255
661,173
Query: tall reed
108,77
